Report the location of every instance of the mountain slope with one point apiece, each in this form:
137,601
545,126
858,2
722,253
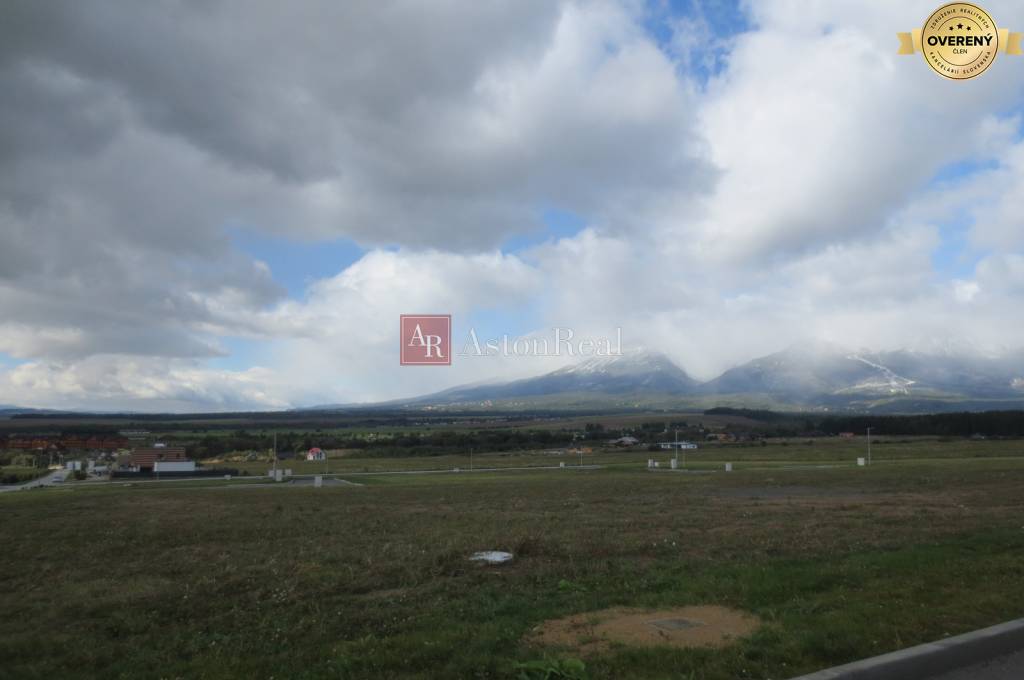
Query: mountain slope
637,372
828,374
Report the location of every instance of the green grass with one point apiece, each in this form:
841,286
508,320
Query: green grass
373,581
20,474
709,456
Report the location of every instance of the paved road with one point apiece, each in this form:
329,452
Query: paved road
1009,667
46,480
327,481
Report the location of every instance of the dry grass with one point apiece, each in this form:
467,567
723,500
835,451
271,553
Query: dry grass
374,581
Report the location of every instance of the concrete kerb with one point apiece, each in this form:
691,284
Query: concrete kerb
933,658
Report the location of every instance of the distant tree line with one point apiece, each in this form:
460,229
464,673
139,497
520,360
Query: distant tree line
965,424
437,442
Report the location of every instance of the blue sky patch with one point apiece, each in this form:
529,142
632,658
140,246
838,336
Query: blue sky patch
296,264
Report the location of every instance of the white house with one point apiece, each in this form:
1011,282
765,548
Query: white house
677,445
174,466
316,453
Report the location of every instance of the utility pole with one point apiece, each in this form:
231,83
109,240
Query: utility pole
869,446
470,458
677,448
275,455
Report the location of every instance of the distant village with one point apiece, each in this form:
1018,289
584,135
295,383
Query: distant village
125,454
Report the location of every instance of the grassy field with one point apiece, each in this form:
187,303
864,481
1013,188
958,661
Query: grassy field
17,474
372,581
710,455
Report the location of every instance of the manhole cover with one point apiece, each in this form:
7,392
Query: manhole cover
675,624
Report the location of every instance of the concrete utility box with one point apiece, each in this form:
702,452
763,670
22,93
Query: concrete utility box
561,464
288,472
318,481
227,478
860,462
279,475
728,467
650,462
656,463
674,463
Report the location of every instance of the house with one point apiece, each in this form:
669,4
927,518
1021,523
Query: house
174,466
626,441
145,460
316,453
31,443
82,443
677,445
846,435
720,437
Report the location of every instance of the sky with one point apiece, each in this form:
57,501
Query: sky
215,205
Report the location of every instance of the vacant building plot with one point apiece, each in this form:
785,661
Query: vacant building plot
817,566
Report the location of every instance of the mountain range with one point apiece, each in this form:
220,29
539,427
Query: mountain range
806,376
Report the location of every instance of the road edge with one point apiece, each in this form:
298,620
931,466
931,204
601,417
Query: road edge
932,658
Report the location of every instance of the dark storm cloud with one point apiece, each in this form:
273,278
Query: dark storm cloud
133,134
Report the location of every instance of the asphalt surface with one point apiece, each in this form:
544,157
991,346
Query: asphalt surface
57,476
1009,667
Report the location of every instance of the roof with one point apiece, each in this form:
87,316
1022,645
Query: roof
150,456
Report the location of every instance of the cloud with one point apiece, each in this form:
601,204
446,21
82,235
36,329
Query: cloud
741,190
342,340
822,131
131,138
126,383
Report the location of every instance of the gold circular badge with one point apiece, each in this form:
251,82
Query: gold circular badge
960,41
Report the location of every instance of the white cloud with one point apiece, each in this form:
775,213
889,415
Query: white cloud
341,343
118,382
788,197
